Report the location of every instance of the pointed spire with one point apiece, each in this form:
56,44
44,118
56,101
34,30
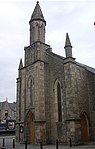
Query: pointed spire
20,64
68,46
37,25
67,42
37,14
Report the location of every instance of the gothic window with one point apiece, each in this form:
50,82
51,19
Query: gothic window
59,102
31,92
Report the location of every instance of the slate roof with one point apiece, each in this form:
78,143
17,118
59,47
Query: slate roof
11,105
88,68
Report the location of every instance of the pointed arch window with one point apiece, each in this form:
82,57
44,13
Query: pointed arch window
59,102
31,92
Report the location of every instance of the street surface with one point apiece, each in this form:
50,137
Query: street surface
8,141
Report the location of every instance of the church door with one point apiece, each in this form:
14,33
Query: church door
32,130
84,128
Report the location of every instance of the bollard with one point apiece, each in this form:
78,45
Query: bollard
56,144
3,147
70,142
13,143
25,144
3,142
41,145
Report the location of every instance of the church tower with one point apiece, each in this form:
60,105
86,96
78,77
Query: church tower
31,83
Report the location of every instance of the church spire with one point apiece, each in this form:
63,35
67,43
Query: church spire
37,25
68,46
20,64
20,67
37,14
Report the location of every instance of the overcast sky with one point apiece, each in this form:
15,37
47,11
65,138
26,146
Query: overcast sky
75,17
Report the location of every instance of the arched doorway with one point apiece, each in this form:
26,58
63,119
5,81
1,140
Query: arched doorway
32,130
84,128
29,127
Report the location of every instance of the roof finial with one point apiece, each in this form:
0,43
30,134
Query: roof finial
37,2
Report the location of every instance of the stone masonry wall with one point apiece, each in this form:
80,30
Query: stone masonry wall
54,71
72,106
91,96
40,119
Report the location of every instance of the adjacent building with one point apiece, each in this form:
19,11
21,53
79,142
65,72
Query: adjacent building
55,94
7,111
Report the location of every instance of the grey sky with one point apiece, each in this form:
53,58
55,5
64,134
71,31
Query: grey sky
75,17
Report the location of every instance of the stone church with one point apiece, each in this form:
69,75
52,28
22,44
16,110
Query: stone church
55,94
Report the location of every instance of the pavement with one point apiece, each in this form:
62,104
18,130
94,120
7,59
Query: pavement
8,144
